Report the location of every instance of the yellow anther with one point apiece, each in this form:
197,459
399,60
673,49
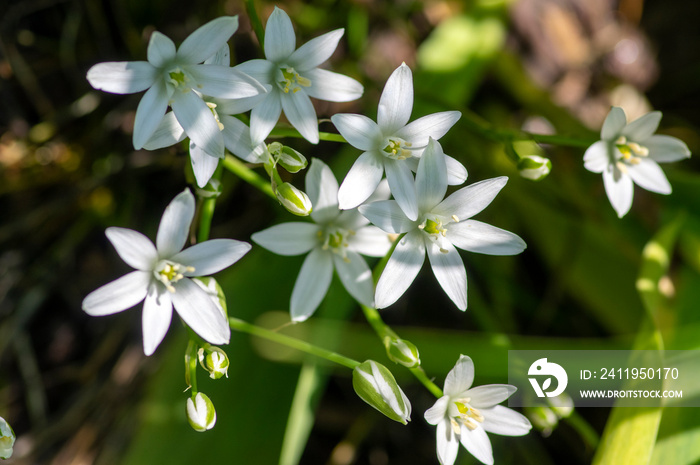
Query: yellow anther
455,426
292,80
455,219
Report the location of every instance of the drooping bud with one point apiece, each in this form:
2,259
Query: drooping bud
214,360
200,412
402,351
375,384
7,439
287,157
534,167
294,200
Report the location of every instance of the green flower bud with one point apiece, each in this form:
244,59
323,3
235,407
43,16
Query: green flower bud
200,412
542,418
294,200
214,360
7,439
562,405
211,190
287,157
534,167
402,351
375,384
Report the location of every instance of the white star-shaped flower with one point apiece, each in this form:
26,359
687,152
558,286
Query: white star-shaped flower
295,76
629,153
392,145
335,240
464,414
441,227
162,277
176,78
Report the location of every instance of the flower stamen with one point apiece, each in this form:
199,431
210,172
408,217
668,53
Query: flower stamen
631,152
169,273
292,81
397,149
212,107
469,416
336,240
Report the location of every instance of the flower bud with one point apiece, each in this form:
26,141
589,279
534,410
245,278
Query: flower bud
294,200
211,190
534,167
200,412
402,351
543,418
562,405
7,439
375,384
287,157
214,360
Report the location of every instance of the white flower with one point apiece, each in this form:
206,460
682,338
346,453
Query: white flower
295,76
391,145
464,415
162,277
175,77
630,153
336,240
441,226
7,439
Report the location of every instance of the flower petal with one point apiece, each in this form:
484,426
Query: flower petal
356,277
438,411
387,215
478,237
666,148
316,51
260,70
619,188
361,181
206,40
435,125
649,175
370,241
156,317
504,421
487,396
401,269
221,57
203,164
431,177
161,49
199,123
134,248
301,114
288,238
264,117
396,102
322,189
597,157
402,187
643,127
456,172
312,284
175,224
200,312
168,132
280,40
449,270
149,113
237,139
460,377
478,444
360,131
447,444
332,87
119,295
211,256
472,199
122,77
224,82
613,124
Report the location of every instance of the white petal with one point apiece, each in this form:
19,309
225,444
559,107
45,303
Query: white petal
322,189
483,397
175,224
449,271
447,444
396,102
119,295
211,256
361,181
456,172
264,117
221,57
370,241
332,87
301,114
207,39
316,51
156,317
478,444
237,139
280,40
504,421
475,236
134,248
597,157
438,411
402,187
149,113
401,269
620,191
168,132
198,121
203,164
387,215
643,127
460,377
666,148
161,49
431,177
360,131
649,175
200,312
239,105
261,70
472,199
122,77
312,284
224,82
435,125
356,277
613,124
288,238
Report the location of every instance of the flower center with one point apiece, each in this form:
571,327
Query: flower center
336,240
632,153
292,81
178,78
397,149
465,415
435,229
169,273
212,107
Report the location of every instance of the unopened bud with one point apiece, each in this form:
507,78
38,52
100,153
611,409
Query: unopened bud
562,405
534,167
375,384
7,439
542,418
294,200
287,157
402,351
200,412
214,360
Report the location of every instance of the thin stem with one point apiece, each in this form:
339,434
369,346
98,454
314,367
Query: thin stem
239,168
291,132
584,429
420,375
206,215
255,22
191,366
244,327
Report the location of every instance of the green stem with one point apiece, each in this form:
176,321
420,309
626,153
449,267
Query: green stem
191,366
239,168
244,327
255,22
584,429
291,132
206,214
423,378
